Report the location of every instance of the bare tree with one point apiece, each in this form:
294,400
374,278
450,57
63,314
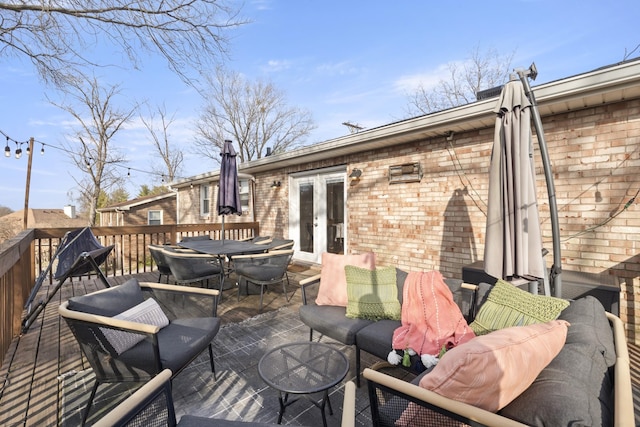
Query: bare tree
59,37
482,70
93,154
255,115
5,210
157,123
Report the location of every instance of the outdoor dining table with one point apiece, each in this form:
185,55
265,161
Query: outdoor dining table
226,249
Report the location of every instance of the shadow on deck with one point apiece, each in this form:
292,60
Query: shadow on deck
33,369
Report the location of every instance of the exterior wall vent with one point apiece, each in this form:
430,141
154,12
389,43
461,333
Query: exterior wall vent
408,172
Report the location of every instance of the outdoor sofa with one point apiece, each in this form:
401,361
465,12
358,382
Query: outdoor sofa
587,382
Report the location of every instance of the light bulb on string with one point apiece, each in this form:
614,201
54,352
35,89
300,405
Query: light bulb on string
18,150
7,150
42,150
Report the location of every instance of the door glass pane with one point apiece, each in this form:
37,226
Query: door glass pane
306,215
335,217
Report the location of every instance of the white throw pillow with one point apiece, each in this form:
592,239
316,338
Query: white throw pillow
148,312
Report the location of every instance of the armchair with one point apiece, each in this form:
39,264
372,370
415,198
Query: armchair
152,404
263,269
190,267
128,338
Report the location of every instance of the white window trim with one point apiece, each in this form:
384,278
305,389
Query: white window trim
150,211
205,202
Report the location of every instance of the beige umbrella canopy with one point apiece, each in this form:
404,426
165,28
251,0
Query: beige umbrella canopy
513,246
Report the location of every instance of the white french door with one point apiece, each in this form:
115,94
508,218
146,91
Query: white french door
317,213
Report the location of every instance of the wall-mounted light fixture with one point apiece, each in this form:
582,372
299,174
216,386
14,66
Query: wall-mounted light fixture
275,184
355,174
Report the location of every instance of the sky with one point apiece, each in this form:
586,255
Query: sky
344,61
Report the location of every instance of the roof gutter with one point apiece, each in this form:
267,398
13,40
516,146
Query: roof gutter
608,84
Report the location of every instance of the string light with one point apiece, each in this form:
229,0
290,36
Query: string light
18,154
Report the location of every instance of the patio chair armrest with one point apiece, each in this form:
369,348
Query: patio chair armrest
349,405
107,322
306,283
623,396
428,399
140,400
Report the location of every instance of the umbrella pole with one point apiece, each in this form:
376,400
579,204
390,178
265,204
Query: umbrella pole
556,268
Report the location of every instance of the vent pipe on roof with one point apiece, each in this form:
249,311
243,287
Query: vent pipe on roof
70,211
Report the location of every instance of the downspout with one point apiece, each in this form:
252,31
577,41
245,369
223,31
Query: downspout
556,268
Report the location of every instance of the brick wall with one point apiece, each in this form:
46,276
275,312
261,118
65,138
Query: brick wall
439,223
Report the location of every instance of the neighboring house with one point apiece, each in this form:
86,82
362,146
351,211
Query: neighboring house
150,210
12,224
415,191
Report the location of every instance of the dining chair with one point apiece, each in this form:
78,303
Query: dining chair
161,262
190,267
263,270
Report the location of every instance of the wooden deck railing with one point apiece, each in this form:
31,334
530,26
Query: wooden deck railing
24,258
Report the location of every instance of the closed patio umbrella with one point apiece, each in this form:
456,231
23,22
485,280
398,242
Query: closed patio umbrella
513,245
228,191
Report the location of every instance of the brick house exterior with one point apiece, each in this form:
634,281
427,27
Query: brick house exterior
150,210
592,128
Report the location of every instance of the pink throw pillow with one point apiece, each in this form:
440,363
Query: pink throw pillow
333,281
491,370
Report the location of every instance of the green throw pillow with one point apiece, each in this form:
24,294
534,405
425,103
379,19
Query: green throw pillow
508,305
372,294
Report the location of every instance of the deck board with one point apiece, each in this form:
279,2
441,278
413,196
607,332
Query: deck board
30,392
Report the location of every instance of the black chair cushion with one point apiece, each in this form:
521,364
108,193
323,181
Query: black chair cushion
110,301
376,338
179,342
332,321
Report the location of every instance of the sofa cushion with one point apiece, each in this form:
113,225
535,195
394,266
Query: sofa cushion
576,387
376,337
111,301
148,312
332,321
179,343
589,323
508,305
333,282
372,294
491,370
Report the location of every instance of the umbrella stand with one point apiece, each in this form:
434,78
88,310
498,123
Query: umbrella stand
556,268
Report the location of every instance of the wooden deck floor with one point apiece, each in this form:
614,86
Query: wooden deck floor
32,368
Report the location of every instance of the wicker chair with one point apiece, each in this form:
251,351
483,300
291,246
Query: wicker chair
190,267
161,263
125,341
263,270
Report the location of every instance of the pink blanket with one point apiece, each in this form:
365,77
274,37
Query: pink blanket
430,317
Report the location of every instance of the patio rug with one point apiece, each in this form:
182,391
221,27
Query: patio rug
238,393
